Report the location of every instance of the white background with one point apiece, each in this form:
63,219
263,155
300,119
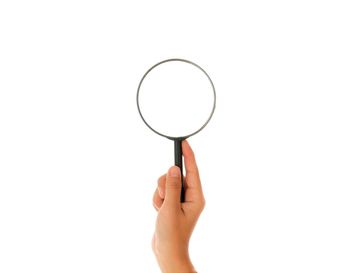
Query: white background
78,167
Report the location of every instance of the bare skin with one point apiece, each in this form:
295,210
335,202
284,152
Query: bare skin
176,220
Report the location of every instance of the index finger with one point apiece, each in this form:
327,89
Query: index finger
192,173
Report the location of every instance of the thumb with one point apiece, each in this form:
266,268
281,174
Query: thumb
173,188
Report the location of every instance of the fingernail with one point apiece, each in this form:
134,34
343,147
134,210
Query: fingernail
174,172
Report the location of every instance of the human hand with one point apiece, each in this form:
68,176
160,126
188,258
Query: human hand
176,220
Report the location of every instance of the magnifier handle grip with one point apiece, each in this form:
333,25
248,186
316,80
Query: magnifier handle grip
178,162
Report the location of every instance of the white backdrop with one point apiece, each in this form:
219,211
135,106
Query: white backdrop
78,167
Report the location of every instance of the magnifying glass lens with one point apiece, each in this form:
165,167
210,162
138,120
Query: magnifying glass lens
176,98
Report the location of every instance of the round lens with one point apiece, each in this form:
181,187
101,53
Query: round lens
176,98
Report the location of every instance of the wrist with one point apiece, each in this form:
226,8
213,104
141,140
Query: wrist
176,265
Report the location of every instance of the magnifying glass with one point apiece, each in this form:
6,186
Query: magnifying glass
176,99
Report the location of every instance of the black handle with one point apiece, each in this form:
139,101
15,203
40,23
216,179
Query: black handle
178,162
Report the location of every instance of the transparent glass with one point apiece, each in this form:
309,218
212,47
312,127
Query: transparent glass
176,98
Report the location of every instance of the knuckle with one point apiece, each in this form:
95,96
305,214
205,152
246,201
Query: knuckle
201,204
155,206
204,203
160,179
154,199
